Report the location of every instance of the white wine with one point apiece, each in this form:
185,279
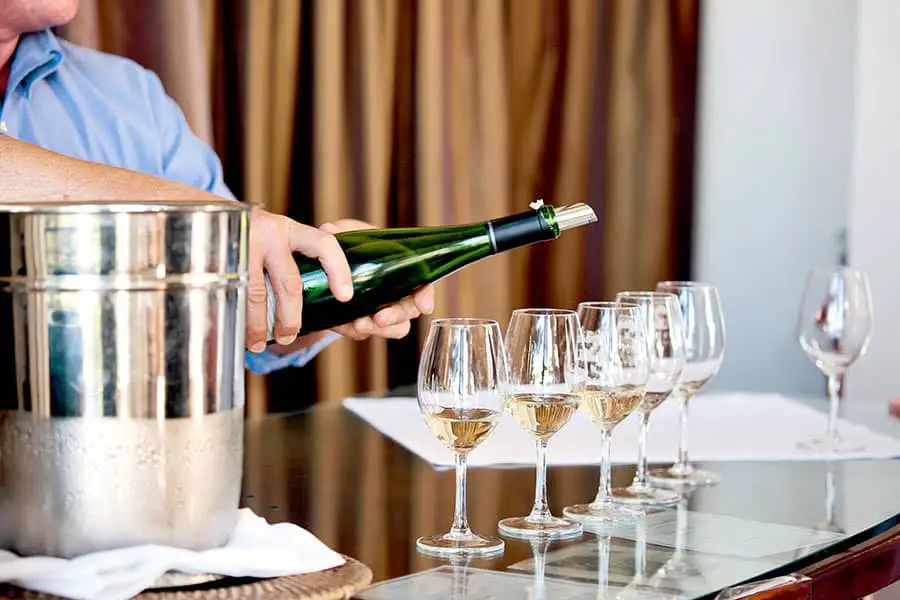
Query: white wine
686,389
542,415
462,429
652,400
607,407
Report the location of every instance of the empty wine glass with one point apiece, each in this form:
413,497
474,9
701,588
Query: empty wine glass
664,327
704,347
462,383
546,382
834,330
617,367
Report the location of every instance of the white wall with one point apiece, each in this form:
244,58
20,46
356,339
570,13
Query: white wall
776,116
875,207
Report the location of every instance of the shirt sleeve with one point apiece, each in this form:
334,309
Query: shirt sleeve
185,157
189,160
267,361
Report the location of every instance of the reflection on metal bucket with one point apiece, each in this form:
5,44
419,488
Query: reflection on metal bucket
121,374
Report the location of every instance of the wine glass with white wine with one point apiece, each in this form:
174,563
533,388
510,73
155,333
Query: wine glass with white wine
546,382
834,330
704,348
664,328
617,367
462,382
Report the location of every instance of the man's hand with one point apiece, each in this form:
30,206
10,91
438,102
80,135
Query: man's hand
390,322
273,241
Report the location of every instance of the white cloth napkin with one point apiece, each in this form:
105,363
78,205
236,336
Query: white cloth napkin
255,549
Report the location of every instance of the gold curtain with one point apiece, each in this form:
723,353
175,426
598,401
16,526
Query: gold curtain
434,112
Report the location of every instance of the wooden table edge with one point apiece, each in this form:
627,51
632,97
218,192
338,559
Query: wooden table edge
856,572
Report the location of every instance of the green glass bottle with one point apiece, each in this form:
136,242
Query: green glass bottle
390,264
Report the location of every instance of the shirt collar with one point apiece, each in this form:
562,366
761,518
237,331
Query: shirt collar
37,56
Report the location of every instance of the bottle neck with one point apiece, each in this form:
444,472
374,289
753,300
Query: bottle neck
523,229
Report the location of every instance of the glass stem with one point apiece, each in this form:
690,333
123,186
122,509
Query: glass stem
460,520
829,495
834,399
539,552
640,551
640,478
684,465
603,543
459,582
681,522
604,492
540,509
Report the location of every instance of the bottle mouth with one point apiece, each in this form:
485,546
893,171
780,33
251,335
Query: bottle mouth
643,295
544,312
574,215
666,285
464,322
606,306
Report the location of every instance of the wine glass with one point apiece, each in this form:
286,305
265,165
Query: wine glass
704,347
834,329
462,382
546,382
664,327
617,368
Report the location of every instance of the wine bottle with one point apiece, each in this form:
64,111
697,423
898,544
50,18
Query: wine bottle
389,264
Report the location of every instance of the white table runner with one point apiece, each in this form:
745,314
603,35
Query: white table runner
723,427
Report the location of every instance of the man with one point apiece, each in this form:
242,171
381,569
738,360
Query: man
76,124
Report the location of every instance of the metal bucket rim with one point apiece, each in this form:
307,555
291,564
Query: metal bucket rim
123,207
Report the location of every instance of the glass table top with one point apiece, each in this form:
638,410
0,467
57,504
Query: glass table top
368,497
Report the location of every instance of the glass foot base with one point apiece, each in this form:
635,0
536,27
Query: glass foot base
829,526
607,513
460,545
675,476
830,444
549,527
645,496
676,570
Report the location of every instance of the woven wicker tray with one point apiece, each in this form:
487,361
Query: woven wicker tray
334,584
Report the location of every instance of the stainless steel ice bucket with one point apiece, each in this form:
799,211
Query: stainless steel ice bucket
121,374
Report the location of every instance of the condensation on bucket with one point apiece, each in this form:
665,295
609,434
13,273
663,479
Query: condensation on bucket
76,485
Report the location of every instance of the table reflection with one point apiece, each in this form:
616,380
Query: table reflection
367,497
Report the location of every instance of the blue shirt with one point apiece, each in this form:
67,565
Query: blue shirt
108,109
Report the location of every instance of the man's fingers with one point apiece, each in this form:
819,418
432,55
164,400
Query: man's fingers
288,288
358,330
323,246
395,332
424,299
364,328
345,225
256,303
329,228
397,313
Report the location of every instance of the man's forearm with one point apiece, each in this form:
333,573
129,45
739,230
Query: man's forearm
29,173
32,174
